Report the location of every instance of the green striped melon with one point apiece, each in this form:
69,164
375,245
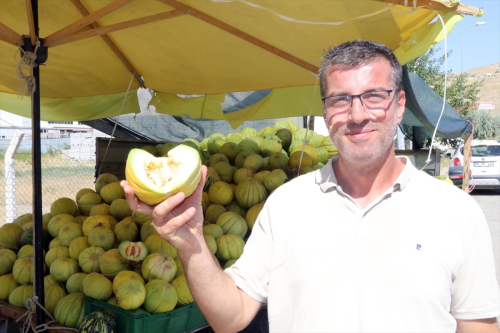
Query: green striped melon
49,280
230,246
252,214
10,235
19,295
213,212
211,244
155,243
56,253
97,322
160,297
213,230
158,266
63,206
102,237
112,263
100,209
75,282
220,193
130,294
57,222
7,259
231,222
88,201
147,229
97,286
184,295
111,192
23,270
250,192
90,259
125,276
53,294
7,286
62,268
69,232
103,180
82,192
77,246
70,310
126,230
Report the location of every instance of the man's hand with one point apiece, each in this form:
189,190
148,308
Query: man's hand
179,220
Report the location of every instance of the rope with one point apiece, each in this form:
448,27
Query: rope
307,128
31,304
429,159
29,82
116,123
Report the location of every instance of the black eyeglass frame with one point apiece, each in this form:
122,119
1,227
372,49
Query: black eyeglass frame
388,91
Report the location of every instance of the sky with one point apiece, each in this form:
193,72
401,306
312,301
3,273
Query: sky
481,43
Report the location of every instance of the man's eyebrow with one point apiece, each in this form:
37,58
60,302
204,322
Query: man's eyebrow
343,93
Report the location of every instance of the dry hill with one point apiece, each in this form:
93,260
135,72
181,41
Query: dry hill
490,91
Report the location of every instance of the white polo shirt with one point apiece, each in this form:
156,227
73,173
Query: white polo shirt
412,261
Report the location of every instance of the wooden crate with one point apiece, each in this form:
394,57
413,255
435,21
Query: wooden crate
10,311
112,159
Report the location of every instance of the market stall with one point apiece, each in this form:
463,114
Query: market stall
94,56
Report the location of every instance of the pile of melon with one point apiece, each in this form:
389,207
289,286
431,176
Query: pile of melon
81,238
94,245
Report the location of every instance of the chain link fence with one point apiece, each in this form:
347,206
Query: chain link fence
62,176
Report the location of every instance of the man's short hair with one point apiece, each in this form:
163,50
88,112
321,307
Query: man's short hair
355,54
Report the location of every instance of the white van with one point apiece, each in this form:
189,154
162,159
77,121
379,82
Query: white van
485,163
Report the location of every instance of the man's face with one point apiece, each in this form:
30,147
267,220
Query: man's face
362,134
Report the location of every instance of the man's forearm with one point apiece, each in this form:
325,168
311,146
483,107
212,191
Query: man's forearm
489,325
225,306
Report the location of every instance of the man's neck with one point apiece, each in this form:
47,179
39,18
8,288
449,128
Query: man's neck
366,182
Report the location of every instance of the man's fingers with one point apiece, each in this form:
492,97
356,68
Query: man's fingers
172,224
162,209
133,202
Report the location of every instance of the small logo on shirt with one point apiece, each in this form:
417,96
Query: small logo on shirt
418,246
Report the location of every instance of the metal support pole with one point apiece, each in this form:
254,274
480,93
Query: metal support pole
10,175
38,285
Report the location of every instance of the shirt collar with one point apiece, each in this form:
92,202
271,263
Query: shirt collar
325,177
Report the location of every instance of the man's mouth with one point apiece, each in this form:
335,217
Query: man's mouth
359,132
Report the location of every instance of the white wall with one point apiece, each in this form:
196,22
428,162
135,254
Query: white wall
320,126
9,119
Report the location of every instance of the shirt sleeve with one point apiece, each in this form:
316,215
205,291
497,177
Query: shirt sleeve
251,271
475,291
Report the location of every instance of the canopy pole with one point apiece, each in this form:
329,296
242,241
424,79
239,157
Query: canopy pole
467,153
38,287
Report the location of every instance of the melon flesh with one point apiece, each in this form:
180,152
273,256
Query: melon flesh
161,170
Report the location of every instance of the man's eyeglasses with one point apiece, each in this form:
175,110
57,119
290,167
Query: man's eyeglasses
373,100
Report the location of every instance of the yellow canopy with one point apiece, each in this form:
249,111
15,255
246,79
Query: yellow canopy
210,47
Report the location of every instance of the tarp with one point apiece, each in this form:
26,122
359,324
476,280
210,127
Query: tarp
208,47
423,109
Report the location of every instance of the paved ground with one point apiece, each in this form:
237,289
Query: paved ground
489,200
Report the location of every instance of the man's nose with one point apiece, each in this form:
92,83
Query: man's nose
357,113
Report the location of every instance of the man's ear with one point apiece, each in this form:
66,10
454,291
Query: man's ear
401,105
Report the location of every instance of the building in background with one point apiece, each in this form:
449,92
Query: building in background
75,140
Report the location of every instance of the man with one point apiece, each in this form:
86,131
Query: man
357,246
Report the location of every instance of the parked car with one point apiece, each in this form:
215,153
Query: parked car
456,174
484,165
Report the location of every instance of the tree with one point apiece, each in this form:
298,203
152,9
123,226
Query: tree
460,94
486,126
